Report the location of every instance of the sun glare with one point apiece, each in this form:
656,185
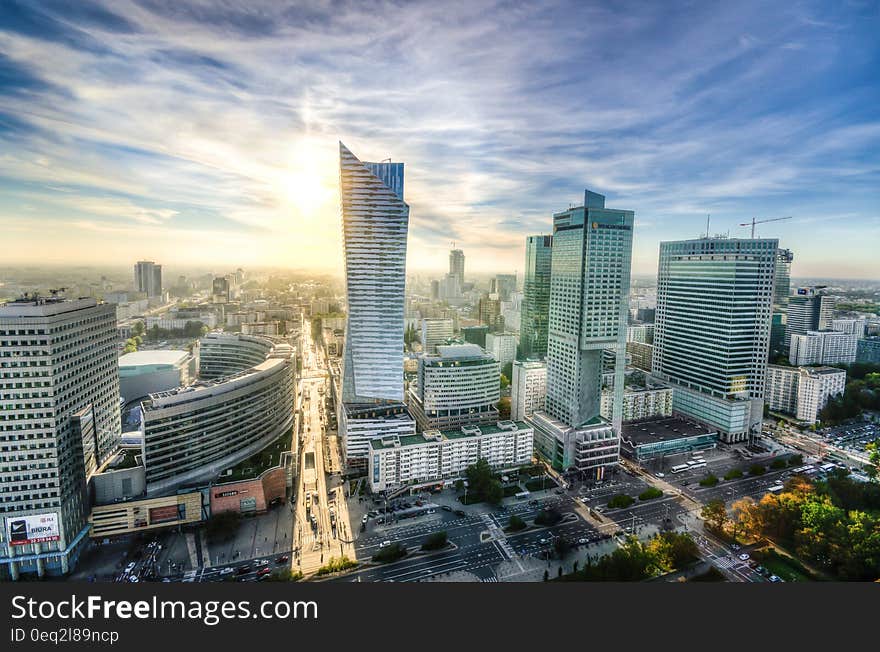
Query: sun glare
308,182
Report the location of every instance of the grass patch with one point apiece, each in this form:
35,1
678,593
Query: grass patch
787,568
620,501
259,462
733,474
336,565
709,481
757,469
650,494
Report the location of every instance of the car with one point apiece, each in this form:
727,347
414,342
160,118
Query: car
446,508
385,544
372,513
241,570
380,521
660,475
262,562
775,578
734,546
365,519
459,512
582,540
282,559
432,511
130,567
744,556
543,541
166,579
133,578
226,571
559,491
263,571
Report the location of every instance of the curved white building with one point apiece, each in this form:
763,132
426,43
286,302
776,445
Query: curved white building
193,433
221,354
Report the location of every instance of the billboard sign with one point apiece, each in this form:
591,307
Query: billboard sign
33,528
164,514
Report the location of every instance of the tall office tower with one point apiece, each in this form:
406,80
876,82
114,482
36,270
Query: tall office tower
503,285
59,421
712,335
456,265
781,292
809,309
148,278
435,332
536,297
374,224
528,388
589,304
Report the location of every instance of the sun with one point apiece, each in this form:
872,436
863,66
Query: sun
308,182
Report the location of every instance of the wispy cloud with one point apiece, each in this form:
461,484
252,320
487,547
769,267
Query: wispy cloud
221,118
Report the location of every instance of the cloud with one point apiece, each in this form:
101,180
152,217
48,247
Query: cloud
222,117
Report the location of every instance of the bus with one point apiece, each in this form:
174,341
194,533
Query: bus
679,468
694,464
522,495
775,489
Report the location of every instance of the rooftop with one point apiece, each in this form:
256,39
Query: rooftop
155,357
440,435
665,429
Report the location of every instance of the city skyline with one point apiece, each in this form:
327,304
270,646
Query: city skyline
136,132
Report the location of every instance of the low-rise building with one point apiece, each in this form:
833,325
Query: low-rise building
395,461
148,372
502,346
656,438
868,350
528,388
639,403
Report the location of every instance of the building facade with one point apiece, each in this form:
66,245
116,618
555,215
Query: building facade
502,346
868,350
712,335
435,332
639,403
822,347
375,220
589,306
528,388
396,461
536,297
148,278
815,386
809,309
59,422
458,386
456,265
151,371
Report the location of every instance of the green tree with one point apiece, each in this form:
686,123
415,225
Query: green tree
714,513
515,523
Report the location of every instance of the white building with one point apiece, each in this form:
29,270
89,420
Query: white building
435,332
852,326
643,333
803,391
502,346
148,372
59,421
360,424
815,387
395,461
148,278
528,388
458,386
823,347
640,403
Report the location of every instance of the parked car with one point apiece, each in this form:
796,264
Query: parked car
263,571
282,559
775,578
744,556
582,541
241,570
446,508
226,571
365,519
432,511
459,512
384,544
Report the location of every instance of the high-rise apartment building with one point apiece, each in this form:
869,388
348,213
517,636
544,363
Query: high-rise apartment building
375,220
456,265
435,332
809,309
148,278
712,335
536,297
502,346
59,421
823,347
589,304
852,326
528,388
803,391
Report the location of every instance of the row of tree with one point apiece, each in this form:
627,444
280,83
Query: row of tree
833,525
636,560
862,393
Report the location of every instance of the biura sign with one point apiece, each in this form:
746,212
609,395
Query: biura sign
34,528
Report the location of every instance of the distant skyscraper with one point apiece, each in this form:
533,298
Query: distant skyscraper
712,335
503,285
456,265
809,309
781,292
148,278
475,335
589,305
374,223
536,297
220,290
59,421
435,332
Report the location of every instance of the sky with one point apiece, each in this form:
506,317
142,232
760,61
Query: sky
207,132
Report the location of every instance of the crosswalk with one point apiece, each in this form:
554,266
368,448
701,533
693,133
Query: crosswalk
728,562
489,579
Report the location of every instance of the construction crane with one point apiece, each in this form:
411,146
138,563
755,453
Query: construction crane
757,221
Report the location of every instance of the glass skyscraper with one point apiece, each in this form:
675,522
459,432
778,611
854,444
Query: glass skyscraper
374,223
588,307
781,291
536,297
712,334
